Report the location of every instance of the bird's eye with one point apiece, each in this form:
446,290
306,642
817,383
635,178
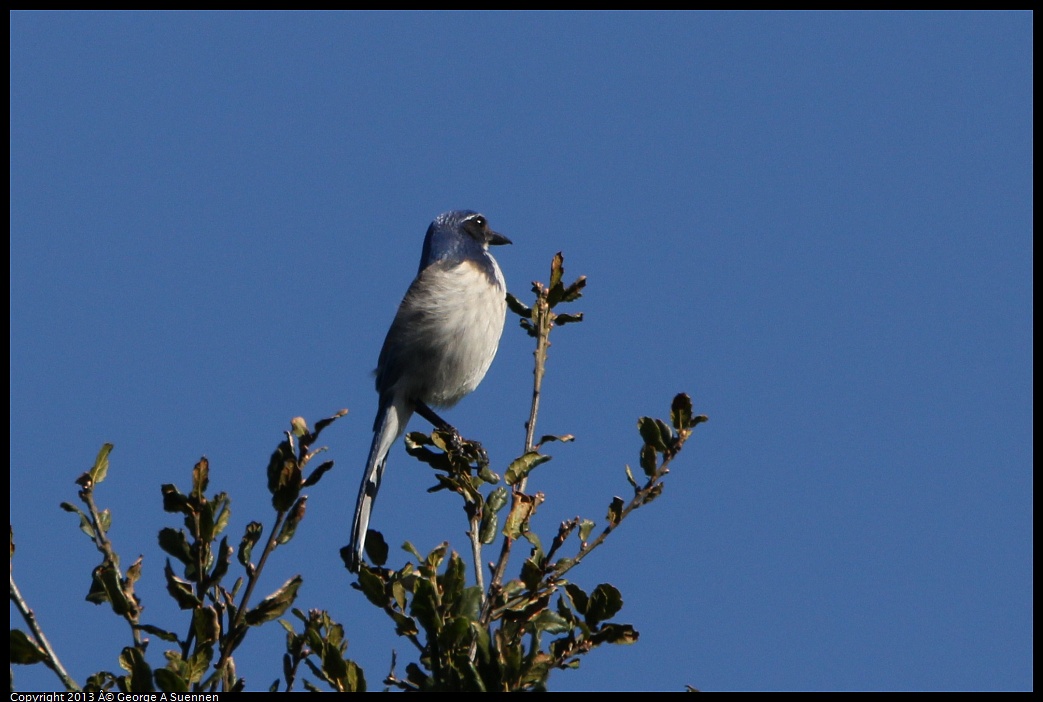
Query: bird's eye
480,221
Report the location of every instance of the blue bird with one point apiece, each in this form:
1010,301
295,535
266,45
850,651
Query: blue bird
440,345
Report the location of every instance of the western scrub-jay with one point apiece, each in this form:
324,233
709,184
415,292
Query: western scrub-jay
440,345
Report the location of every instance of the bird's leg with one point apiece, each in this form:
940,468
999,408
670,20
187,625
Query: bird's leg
457,441
432,416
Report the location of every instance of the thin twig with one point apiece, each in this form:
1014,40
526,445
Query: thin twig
639,499
52,661
542,324
542,344
250,585
476,552
103,544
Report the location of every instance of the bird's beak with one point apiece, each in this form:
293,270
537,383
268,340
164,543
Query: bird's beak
497,239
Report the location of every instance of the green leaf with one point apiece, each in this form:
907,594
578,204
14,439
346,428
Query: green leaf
574,291
416,446
496,500
531,574
284,477
354,678
282,454
372,587
516,520
205,521
455,634
417,676
487,529
411,549
298,426
169,681
200,479
199,663
454,579
630,478
551,622
224,560
650,433
106,579
605,601
615,634
585,527
424,608
376,547
206,625
666,432
469,603
97,594
224,512
174,500
180,590
139,674
293,519
418,438
99,682
274,605
564,564
333,663
404,625
442,439
578,597
334,632
398,590
537,546
249,540
317,474
134,572
523,465
515,305
681,412
512,589
615,511
24,650
486,474
547,438
101,464
85,522
163,634
434,559
323,423
561,319
649,464
557,270
104,520
174,542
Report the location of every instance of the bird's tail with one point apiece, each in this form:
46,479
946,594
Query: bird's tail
389,425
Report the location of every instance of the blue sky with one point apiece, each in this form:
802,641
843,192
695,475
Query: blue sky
818,225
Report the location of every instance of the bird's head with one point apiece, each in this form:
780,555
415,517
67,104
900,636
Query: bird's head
459,235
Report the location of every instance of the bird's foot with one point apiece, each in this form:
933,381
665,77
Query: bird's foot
481,456
471,451
454,443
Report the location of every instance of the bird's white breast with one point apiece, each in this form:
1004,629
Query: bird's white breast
457,318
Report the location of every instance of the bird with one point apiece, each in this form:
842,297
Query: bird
440,344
